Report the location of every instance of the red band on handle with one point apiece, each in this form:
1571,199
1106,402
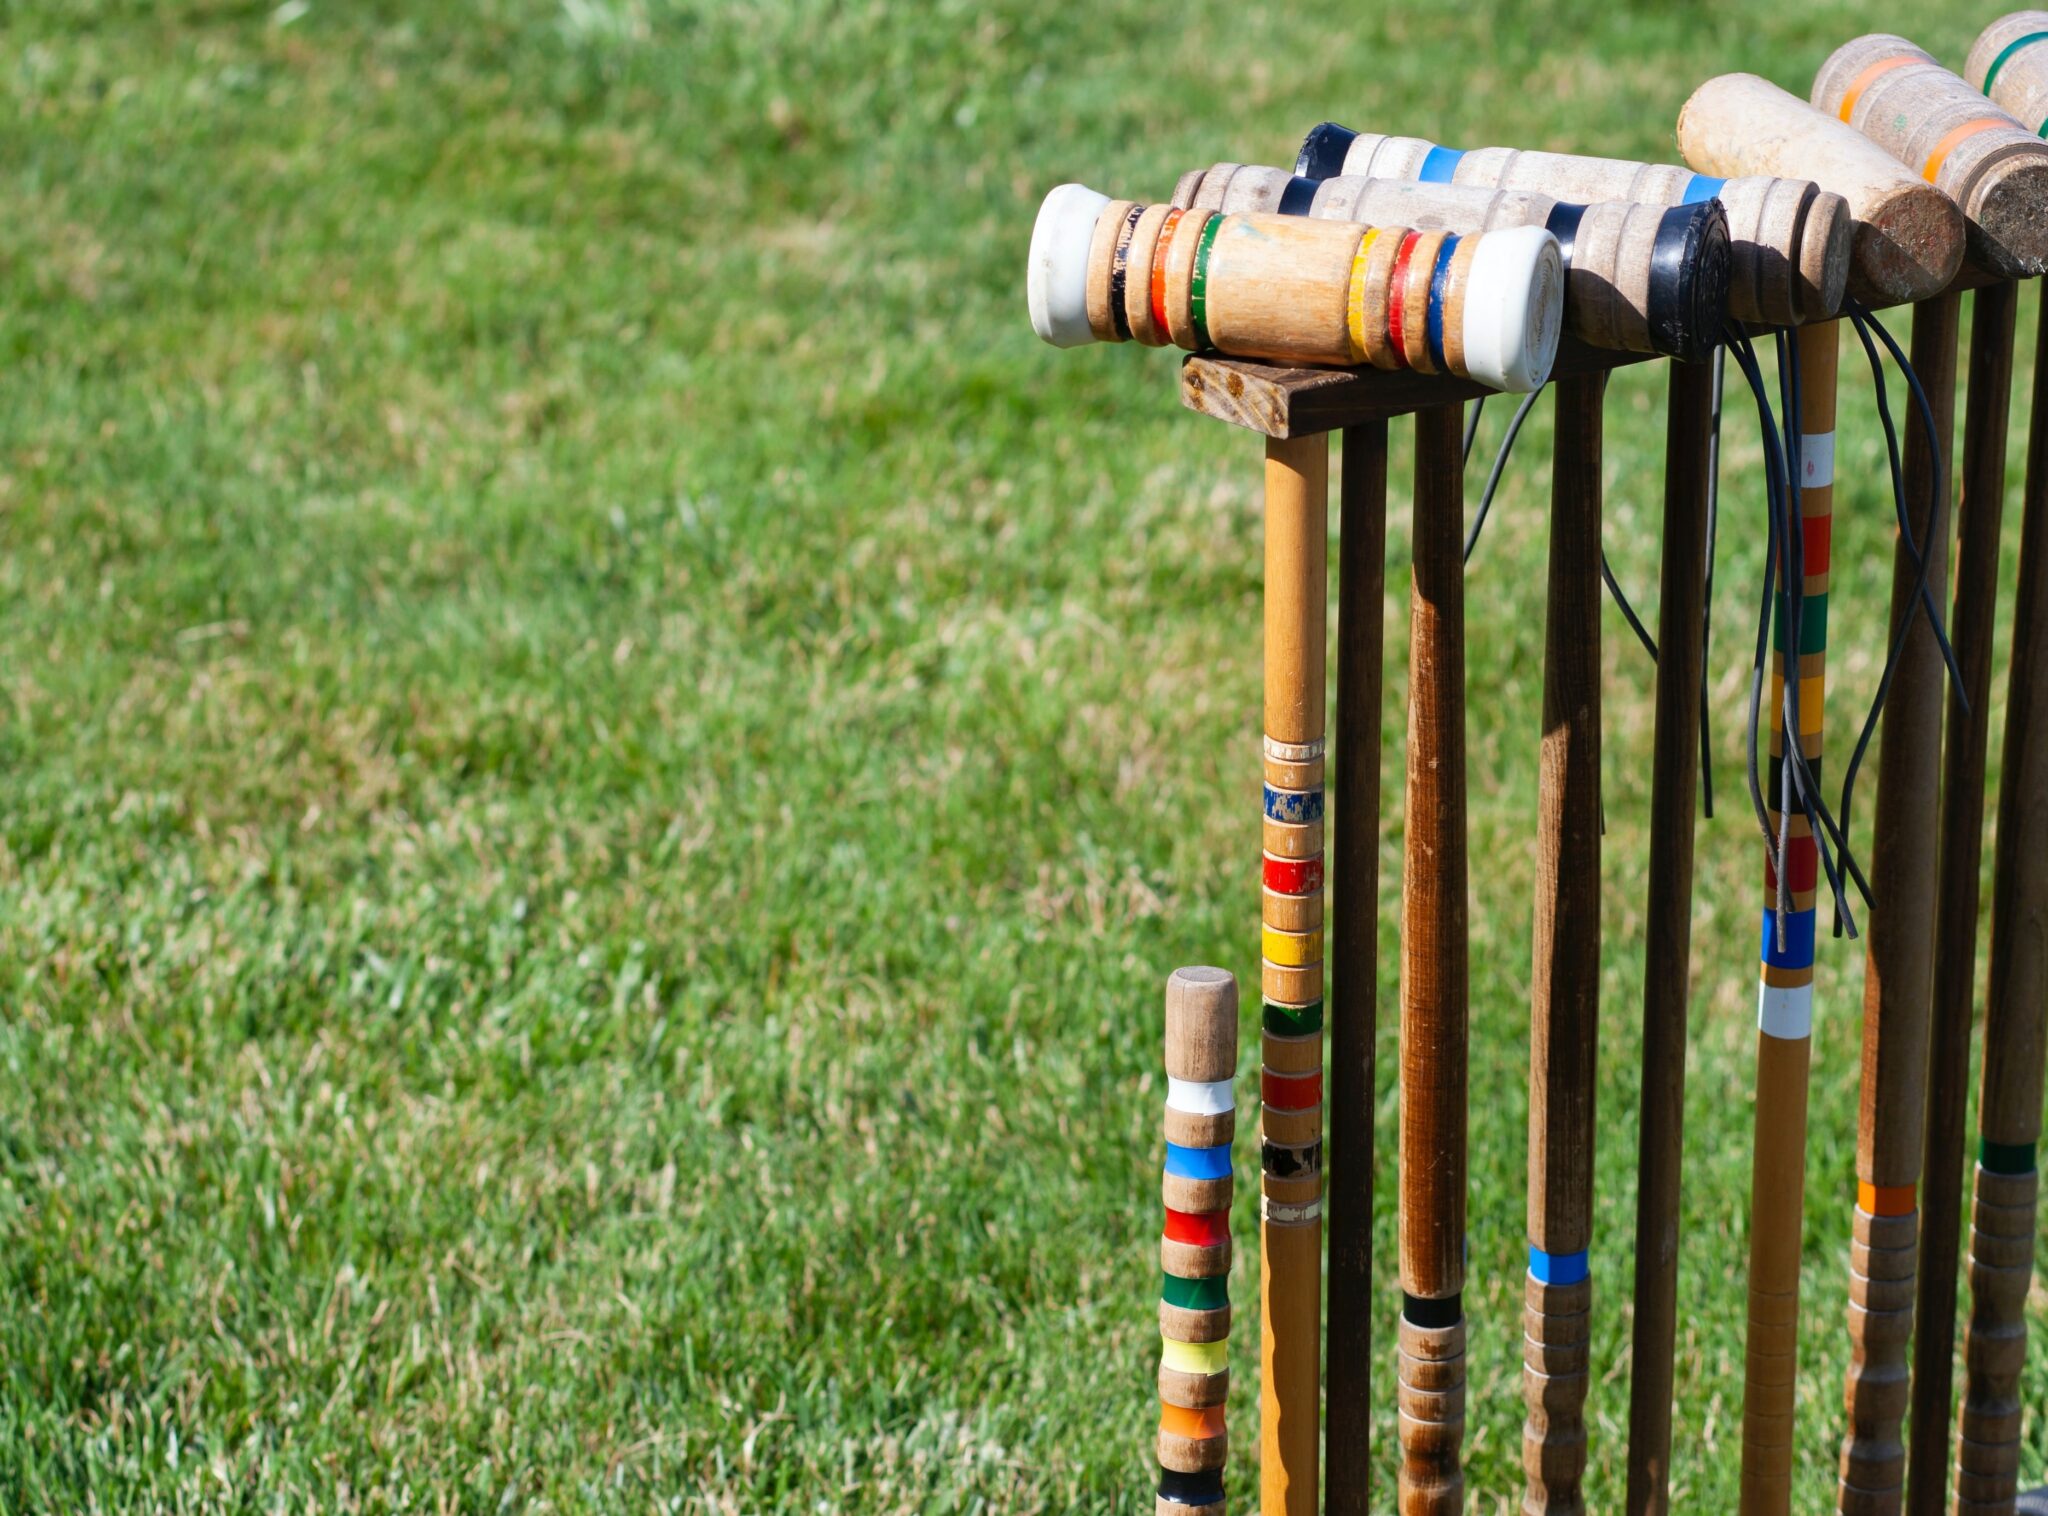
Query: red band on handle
1294,876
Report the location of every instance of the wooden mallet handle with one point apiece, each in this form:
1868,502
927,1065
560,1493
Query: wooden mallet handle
1194,1252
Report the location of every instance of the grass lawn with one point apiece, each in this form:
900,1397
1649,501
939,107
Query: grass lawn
602,757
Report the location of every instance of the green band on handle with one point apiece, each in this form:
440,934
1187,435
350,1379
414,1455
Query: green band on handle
1198,286
2006,1157
1195,1294
1294,1020
1991,73
1813,624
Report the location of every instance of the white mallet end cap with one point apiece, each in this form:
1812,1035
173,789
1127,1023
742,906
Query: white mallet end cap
1057,282
1514,308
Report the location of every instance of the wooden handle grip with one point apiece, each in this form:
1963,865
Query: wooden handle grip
1883,1254
1932,121
1192,1443
2001,1271
1790,240
1777,1206
1430,1394
1556,1370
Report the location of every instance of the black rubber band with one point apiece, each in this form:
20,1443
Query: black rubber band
1322,151
1432,1314
1689,269
1299,196
1205,1488
1119,274
1283,1162
1564,226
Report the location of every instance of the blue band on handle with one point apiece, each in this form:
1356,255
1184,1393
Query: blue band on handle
1702,188
1440,165
1198,1163
1559,1268
1439,280
1299,196
1798,950
1296,807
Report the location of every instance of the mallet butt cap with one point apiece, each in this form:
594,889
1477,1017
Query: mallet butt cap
1514,308
1056,283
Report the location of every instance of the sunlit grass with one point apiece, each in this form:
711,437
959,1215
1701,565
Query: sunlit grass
603,757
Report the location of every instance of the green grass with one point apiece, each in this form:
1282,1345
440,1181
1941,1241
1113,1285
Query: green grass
601,757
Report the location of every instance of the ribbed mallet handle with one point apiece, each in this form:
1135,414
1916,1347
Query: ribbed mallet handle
1982,157
1194,1252
1790,238
1640,278
2001,1269
1488,307
1908,237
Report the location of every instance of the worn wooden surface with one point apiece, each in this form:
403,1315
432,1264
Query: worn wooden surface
1674,787
1932,121
1353,955
1899,965
1908,238
1980,508
1282,400
1434,984
1564,1020
1291,973
1790,237
2003,1225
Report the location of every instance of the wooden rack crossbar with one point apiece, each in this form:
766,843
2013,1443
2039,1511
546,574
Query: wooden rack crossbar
1282,400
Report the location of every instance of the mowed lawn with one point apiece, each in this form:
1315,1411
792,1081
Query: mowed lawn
602,757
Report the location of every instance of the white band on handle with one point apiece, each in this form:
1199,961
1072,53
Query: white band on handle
1816,460
1785,1012
1194,1097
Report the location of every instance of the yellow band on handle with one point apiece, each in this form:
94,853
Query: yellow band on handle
1355,302
1194,1357
1291,950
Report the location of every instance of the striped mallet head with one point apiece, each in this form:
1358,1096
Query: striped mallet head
1985,159
1487,307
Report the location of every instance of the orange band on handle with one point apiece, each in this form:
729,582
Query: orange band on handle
1885,1199
1159,269
1185,1421
1862,81
1947,144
